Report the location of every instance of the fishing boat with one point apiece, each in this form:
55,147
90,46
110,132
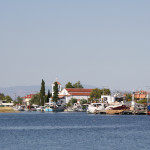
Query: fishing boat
19,107
94,107
119,106
48,109
40,108
57,108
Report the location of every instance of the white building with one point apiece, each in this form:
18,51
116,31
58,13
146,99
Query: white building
27,99
107,99
67,93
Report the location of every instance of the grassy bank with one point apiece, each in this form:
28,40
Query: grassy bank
7,110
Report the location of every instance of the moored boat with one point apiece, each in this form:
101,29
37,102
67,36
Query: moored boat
117,107
57,108
94,107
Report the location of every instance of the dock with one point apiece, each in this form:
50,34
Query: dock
122,112
134,112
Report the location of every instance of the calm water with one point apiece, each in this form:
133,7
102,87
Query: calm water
73,131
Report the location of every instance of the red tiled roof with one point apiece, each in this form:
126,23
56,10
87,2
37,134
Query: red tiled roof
140,95
72,90
81,94
75,94
28,96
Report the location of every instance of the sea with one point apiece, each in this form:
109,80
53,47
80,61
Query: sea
73,131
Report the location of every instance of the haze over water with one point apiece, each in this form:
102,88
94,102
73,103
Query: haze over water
73,131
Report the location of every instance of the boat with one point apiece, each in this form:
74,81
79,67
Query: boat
19,107
48,109
119,106
40,108
57,108
95,107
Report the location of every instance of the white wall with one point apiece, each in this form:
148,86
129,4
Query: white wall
68,98
27,100
109,98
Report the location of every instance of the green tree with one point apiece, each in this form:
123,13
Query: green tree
71,102
36,99
69,85
48,96
83,101
106,91
96,94
143,101
55,95
19,100
128,96
8,99
2,96
77,85
42,93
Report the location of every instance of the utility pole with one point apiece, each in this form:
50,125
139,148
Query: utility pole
104,88
15,96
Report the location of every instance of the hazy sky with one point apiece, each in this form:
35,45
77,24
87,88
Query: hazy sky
99,42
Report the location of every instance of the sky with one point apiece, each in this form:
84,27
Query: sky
97,42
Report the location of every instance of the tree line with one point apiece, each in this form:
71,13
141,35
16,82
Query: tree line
7,98
41,98
75,85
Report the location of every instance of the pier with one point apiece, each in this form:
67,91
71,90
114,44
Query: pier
122,112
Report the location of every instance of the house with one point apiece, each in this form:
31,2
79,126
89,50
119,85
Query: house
141,95
27,99
67,93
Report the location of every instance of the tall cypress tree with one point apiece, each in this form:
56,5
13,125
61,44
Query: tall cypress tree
55,96
48,96
42,92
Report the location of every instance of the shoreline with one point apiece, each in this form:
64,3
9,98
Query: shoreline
7,110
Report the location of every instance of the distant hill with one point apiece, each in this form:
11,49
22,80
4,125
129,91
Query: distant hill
21,90
25,90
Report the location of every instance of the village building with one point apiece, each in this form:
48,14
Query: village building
27,98
78,93
139,95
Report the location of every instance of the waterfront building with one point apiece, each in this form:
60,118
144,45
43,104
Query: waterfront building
27,99
78,93
139,95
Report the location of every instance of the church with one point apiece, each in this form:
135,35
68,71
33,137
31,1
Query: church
67,94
